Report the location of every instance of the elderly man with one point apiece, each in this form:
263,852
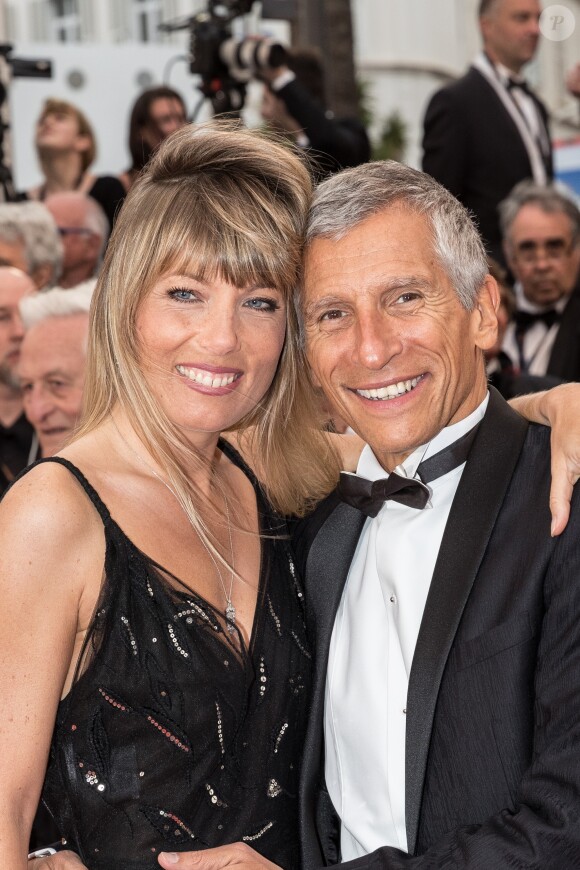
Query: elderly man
541,229
52,362
445,719
84,229
16,449
29,241
487,131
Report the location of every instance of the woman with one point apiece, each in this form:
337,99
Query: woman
156,113
66,148
161,600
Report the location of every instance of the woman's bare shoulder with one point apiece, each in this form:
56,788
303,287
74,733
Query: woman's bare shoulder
47,506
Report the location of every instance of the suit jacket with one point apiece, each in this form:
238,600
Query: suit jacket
493,707
473,147
564,360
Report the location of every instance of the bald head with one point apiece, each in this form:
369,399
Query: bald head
83,226
14,286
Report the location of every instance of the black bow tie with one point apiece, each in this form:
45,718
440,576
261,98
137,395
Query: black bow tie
524,320
519,84
368,496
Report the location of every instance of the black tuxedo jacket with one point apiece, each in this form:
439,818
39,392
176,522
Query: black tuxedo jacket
473,147
564,360
493,708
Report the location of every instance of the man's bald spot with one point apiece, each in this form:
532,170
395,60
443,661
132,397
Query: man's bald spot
10,275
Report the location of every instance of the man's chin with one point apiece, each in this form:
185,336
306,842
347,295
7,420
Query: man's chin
8,377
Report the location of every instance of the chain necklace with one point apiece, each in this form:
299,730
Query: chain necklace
230,611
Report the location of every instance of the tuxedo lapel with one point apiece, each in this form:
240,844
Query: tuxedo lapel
327,568
477,502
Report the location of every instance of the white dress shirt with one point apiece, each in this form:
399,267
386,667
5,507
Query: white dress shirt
538,339
372,646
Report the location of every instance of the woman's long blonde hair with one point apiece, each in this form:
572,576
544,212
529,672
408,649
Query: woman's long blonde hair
232,203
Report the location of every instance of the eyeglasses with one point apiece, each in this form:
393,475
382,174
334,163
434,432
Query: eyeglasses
529,252
75,231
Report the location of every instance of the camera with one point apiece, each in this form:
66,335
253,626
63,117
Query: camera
224,63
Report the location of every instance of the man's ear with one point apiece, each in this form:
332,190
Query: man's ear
484,314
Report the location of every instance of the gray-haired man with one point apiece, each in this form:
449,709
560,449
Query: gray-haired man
445,723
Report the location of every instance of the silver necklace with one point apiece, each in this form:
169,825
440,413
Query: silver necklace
230,611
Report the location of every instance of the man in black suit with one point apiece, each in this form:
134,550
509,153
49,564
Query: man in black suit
445,719
541,230
487,131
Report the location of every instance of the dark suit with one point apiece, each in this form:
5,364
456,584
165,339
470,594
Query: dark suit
564,360
473,147
493,708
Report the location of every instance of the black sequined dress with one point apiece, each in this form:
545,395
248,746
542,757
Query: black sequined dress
173,736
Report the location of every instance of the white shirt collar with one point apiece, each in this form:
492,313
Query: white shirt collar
370,467
524,304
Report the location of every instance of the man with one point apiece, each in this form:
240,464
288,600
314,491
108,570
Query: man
84,230
541,229
445,724
293,102
487,131
15,431
29,241
52,363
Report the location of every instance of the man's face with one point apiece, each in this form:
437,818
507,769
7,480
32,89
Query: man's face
511,31
397,355
543,255
14,286
52,374
81,246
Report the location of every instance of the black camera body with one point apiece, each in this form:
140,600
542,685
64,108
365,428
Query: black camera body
226,64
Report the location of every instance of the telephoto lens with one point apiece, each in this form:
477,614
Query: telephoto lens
246,57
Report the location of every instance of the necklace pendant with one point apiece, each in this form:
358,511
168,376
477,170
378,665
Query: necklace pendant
230,617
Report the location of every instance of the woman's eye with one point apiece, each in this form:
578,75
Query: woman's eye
261,304
182,294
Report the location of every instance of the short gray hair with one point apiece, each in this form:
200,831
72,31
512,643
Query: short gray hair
33,224
548,199
94,217
353,195
56,302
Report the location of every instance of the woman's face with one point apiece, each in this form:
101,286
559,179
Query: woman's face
59,131
209,350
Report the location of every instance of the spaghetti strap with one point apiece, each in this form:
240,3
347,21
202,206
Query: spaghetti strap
93,495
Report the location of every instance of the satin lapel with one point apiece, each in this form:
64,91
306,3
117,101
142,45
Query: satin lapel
477,502
326,571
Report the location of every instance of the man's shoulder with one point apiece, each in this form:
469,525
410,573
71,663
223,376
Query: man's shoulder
305,530
464,88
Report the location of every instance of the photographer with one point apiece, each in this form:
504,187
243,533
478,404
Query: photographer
293,102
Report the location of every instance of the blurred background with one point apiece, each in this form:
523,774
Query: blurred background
383,60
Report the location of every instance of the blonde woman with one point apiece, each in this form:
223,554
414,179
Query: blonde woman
151,605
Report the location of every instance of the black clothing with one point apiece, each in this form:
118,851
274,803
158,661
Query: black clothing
492,778
110,194
175,735
511,383
334,143
474,148
107,190
15,444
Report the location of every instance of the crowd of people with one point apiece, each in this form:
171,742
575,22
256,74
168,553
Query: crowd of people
230,636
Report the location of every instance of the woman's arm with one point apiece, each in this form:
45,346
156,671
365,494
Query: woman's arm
49,549
560,409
